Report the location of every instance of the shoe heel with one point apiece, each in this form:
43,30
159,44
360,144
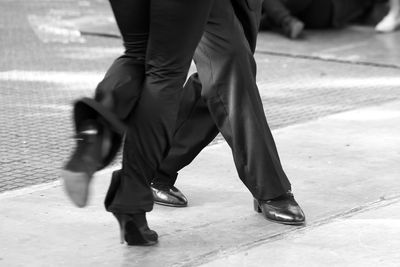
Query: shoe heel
256,206
132,234
121,233
121,228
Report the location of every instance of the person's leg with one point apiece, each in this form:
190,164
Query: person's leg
391,21
189,138
195,129
98,121
194,117
168,176
234,102
175,29
122,84
277,14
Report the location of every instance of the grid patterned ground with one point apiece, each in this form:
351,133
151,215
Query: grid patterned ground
39,81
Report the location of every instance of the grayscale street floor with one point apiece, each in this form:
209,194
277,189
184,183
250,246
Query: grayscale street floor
332,100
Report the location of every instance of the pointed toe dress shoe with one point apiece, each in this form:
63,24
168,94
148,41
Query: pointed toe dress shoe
283,209
169,196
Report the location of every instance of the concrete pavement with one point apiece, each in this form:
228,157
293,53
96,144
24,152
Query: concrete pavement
345,174
367,239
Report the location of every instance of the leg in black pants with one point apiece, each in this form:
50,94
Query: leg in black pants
152,123
166,68
119,91
195,129
228,98
98,121
175,29
234,102
230,92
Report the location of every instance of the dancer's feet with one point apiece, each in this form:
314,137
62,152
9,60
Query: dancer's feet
92,141
389,23
283,209
135,231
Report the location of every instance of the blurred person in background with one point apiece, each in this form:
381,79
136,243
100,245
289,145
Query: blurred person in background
290,17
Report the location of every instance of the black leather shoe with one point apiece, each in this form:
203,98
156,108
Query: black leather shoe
169,196
84,162
283,209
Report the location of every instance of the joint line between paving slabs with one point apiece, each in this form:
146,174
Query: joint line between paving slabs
328,59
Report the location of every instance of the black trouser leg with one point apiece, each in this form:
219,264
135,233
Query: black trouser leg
117,93
194,130
122,84
175,29
195,127
234,102
263,181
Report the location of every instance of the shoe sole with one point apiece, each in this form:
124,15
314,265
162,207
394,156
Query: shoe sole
76,185
169,204
285,223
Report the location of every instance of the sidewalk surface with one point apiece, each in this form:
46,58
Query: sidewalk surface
332,100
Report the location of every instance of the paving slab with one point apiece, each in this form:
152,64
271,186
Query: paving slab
338,165
295,90
368,239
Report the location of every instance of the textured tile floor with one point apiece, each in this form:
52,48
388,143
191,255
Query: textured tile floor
44,66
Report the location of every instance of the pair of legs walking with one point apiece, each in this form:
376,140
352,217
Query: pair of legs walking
117,95
227,70
292,16
231,95
164,70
